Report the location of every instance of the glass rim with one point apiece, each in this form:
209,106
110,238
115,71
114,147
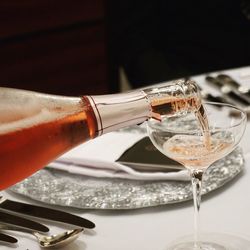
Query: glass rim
242,119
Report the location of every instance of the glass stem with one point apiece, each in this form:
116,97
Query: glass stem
196,178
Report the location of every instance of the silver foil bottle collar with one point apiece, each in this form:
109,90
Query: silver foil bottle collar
120,110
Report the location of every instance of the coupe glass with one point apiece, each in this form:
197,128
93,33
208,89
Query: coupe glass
182,139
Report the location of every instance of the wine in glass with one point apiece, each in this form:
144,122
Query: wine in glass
196,140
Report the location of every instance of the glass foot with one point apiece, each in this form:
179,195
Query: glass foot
199,246
211,241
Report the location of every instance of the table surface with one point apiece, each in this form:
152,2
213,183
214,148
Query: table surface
225,210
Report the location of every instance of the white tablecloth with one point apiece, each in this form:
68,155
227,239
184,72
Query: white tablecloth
224,210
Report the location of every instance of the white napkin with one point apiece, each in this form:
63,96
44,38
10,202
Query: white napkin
98,157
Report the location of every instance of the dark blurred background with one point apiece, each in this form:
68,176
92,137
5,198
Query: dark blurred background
79,47
56,46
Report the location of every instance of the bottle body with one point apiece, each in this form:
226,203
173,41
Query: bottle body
37,128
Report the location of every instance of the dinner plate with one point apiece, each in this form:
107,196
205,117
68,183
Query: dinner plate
64,189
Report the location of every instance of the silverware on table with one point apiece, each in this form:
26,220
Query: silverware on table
44,213
228,92
210,97
228,80
7,239
11,219
48,241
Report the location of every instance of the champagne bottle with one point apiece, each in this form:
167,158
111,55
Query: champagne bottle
36,128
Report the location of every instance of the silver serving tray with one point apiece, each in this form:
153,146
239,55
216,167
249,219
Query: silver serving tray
64,189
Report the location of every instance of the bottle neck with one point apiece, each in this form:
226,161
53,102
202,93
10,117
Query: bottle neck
120,110
116,111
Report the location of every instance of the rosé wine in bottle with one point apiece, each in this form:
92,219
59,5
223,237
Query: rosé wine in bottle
36,128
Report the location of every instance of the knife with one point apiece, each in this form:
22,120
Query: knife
45,213
7,238
228,91
8,218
